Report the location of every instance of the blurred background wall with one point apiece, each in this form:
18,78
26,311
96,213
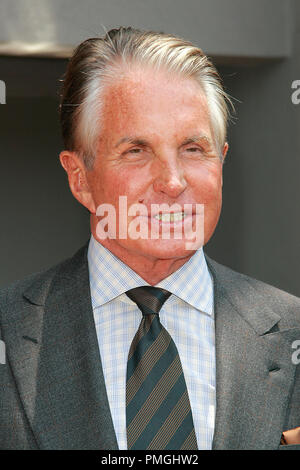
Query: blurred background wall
255,45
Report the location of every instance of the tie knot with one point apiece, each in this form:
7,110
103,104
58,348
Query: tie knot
149,299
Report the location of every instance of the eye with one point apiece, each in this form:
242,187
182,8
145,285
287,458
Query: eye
193,149
134,150
135,154
194,152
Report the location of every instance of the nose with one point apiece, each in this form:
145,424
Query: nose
170,179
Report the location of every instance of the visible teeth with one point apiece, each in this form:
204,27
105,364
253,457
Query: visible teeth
170,217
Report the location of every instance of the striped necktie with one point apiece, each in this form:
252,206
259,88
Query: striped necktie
158,411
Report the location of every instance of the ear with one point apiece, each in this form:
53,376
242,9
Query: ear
77,176
225,150
224,153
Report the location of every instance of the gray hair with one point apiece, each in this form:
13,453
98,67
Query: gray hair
96,62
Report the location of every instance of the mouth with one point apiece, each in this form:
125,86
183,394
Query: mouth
170,217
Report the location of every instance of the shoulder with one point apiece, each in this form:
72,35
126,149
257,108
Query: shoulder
254,291
37,285
14,291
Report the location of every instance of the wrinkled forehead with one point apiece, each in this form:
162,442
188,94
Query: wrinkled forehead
139,98
137,81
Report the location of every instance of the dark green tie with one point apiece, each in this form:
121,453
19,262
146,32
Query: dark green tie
158,411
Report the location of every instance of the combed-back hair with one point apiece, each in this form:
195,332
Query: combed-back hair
96,62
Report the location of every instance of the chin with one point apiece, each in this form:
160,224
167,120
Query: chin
166,249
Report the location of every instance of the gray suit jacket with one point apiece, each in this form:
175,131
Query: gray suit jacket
53,395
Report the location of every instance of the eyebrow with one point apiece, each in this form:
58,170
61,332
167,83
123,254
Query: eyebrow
189,140
197,138
131,140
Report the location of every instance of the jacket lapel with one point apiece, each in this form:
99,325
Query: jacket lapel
255,372
56,363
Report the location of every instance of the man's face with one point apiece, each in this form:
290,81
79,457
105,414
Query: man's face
156,146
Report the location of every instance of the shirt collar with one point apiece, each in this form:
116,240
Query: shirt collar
110,277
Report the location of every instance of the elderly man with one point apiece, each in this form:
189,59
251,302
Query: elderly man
141,341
